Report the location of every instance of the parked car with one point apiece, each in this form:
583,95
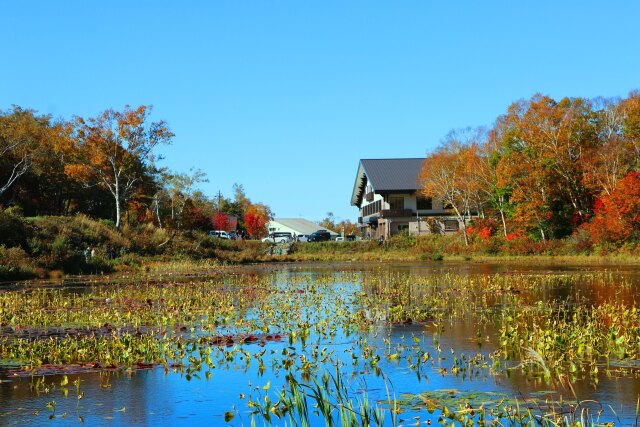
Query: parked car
279,237
233,236
319,236
339,239
219,233
302,237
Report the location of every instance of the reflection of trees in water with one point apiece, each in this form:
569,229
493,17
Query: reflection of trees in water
104,395
556,287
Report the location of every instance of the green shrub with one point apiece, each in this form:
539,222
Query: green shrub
130,260
451,244
98,264
15,264
14,230
148,239
60,247
79,232
437,257
401,240
59,242
107,222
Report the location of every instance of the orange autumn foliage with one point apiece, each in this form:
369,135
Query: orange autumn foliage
256,218
450,174
114,151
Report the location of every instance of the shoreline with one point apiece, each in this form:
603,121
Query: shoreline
184,270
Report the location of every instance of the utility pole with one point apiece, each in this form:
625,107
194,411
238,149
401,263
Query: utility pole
219,200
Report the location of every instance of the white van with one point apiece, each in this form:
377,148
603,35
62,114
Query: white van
279,237
219,233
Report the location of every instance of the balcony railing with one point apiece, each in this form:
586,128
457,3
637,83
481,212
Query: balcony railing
396,213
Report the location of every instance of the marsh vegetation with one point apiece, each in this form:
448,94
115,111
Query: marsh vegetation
339,345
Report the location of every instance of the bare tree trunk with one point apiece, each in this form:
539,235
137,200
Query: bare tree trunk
118,210
18,170
504,222
461,218
464,232
156,202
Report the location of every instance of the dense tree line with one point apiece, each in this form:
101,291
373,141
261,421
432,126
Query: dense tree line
546,169
107,168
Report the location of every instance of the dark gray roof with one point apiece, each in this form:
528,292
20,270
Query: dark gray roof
393,174
386,176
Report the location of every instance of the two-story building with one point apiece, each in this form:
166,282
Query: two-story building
386,191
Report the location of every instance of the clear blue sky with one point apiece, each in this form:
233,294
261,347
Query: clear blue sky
286,97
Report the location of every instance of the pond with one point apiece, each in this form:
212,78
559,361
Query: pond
399,344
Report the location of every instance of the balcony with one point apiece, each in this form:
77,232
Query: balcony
369,196
396,213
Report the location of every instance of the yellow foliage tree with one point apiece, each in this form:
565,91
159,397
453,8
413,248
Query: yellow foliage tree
450,174
115,151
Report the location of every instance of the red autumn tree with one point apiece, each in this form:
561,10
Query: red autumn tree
220,221
617,216
256,218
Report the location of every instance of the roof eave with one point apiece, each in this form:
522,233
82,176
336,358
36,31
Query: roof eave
356,194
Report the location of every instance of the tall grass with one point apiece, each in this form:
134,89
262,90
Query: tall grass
327,400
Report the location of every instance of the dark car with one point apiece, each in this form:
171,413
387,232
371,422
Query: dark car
319,236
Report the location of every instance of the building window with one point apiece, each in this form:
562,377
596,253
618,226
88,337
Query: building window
272,229
451,225
424,203
396,203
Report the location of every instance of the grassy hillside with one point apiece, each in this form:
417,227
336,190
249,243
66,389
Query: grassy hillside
44,246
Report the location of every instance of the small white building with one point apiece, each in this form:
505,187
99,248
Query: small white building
295,226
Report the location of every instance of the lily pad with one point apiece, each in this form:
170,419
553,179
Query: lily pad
452,397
